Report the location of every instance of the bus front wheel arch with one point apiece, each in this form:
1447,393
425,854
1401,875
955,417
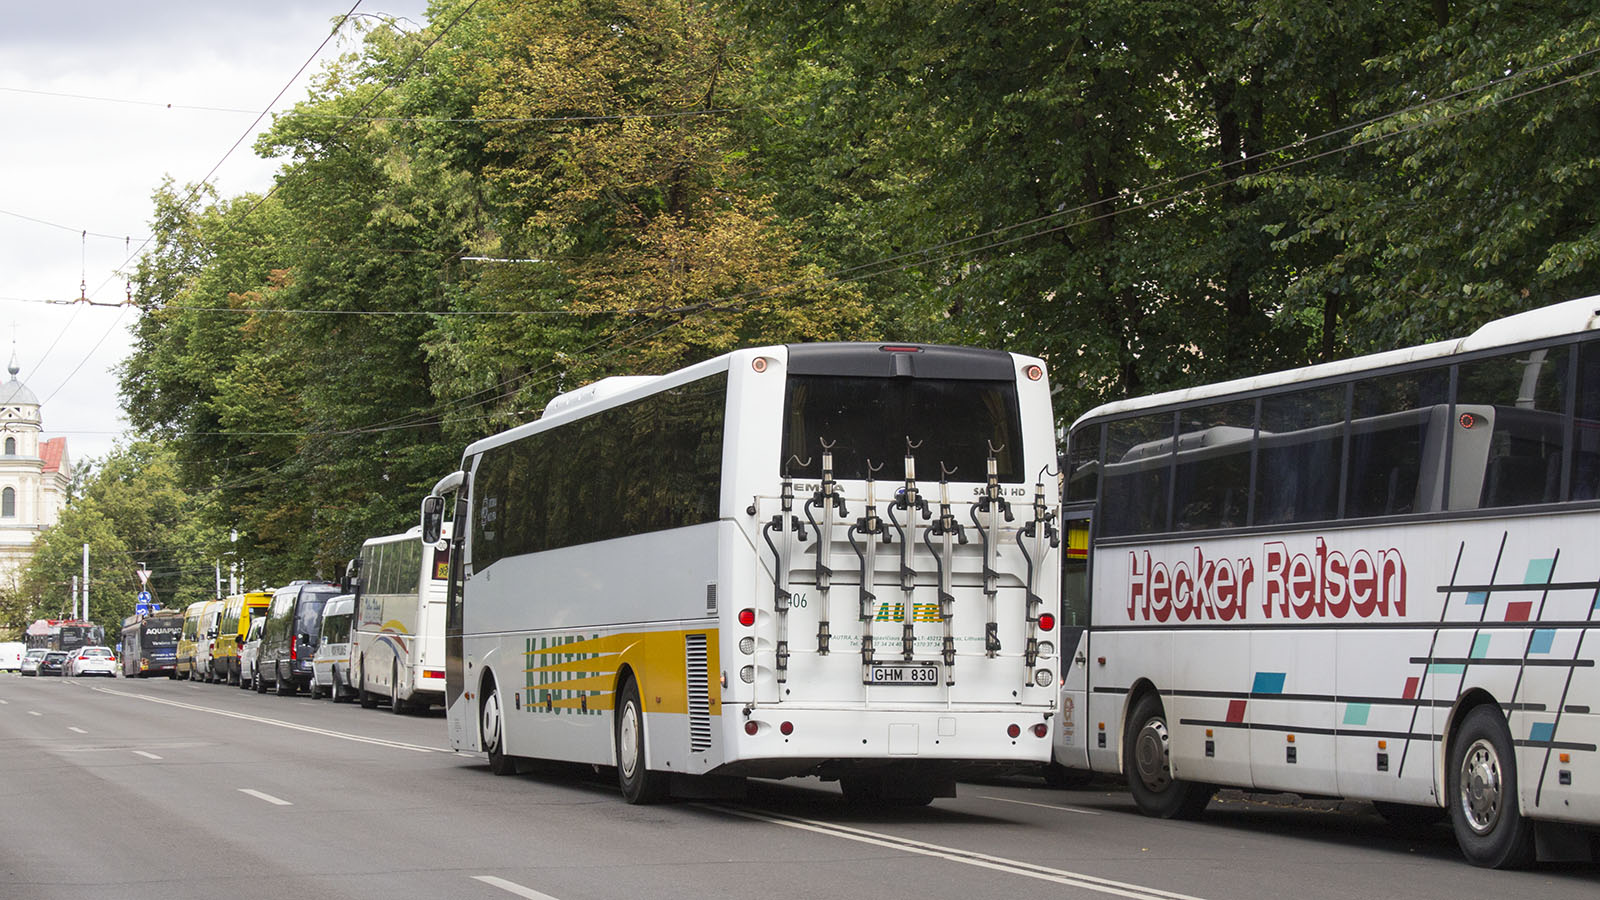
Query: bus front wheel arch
1146,760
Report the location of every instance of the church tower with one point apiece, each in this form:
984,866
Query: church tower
34,475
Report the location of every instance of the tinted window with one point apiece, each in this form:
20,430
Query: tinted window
645,466
1390,428
1137,471
1298,457
1586,431
1523,397
1211,484
870,419
1082,464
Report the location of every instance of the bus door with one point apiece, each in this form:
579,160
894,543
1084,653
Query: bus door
1073,732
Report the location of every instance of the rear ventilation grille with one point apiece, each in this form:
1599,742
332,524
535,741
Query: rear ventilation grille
699,680
711,599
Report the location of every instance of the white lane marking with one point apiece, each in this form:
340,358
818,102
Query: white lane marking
955,854
34,712
511,887
1070,809
146,754
398,745
5,702
77,729
275,801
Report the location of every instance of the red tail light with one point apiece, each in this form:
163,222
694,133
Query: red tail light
294,642
1040,730
747,617
1014,730
1046,621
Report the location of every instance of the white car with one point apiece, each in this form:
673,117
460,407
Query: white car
92,661
31,660
248,651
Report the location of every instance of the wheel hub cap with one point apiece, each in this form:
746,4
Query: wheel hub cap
1151,755
1481,787
491,721
628,740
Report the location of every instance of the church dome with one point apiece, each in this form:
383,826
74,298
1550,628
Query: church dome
14,392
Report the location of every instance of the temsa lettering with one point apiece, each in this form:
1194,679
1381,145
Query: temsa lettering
1327,583
1210,589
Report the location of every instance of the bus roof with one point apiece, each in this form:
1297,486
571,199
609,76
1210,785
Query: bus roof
1570,317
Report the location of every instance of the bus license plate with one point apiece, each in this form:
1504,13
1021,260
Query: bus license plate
904,673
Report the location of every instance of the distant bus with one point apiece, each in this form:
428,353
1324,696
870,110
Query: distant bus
1374,578
64,634
150,643
828,559
397,636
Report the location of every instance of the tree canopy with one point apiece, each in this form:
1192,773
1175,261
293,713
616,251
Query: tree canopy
522,197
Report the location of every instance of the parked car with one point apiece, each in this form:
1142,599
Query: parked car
92,661
289,639
54,662
248,652
31,660
331,665
11,656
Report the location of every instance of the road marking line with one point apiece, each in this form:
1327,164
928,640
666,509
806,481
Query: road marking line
77,729
275,801
146,754
5,702
1071,809
511,887
955,854
295,726
34,712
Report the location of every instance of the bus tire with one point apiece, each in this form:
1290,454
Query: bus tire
1147,760
1482,787
396,705
255,679
639,784
368,699
491,719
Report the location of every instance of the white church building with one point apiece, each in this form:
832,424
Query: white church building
34,475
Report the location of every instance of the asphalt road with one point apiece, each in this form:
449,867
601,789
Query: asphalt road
132,789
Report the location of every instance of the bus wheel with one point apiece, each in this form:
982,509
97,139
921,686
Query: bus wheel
639,784
368,699
396,705
1147,759
492,721
1488,824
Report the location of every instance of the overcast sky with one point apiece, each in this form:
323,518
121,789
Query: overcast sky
70,164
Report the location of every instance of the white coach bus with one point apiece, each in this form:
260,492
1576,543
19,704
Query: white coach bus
397,632
1374,579
825,559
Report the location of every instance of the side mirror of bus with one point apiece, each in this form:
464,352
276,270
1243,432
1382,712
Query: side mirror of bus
432,518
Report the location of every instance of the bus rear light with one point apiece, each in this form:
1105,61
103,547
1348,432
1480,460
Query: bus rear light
1040,730
1044,677
1014,730
432,673
747,617
1047,649
748,674
787,728
759,364
1046,621
1034,372
747,645
751,727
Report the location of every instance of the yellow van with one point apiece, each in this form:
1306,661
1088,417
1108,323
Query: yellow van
238,612
188,638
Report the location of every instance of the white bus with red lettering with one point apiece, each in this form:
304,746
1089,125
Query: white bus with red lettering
1374,579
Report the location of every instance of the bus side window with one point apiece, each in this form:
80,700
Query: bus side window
1138,469
1299,455
1586,430
1392,452
1524,397
1211,485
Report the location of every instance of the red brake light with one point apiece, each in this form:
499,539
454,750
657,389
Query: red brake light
294,640
892,348
747,617
1046,621
751,727
1040,730
1014,730
787,728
